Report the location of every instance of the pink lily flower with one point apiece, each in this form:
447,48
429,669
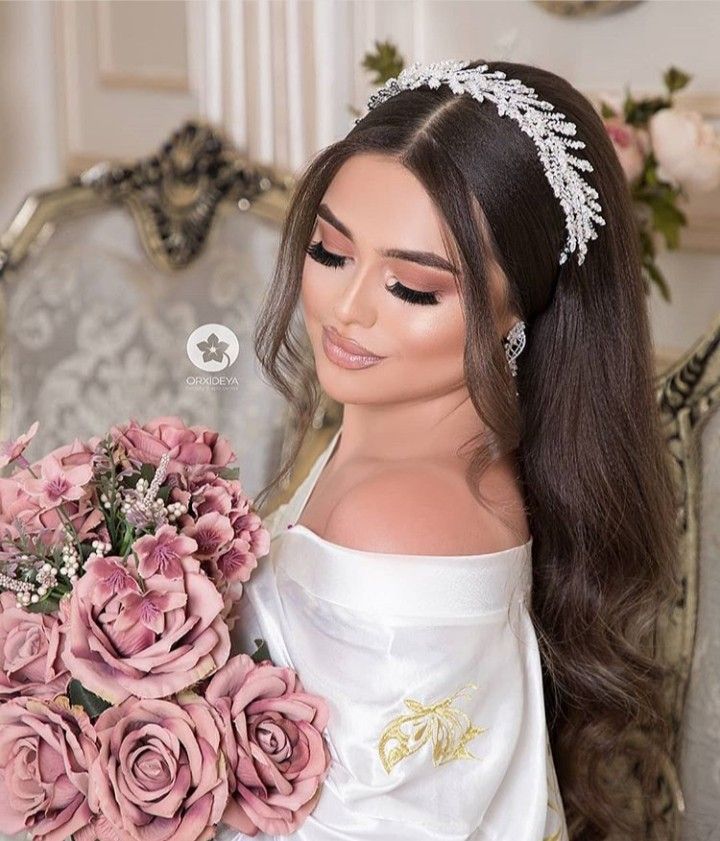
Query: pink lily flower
57,484
163,552
11,450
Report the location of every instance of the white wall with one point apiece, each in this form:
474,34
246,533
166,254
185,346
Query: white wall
29,140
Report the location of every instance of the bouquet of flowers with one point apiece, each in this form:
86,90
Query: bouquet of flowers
124,714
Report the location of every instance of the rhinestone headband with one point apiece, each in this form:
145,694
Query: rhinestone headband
549,129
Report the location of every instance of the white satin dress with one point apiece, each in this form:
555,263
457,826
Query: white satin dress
431,669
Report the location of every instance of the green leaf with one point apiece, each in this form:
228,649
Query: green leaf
385,62
229,472
147,471
262,652
607,111
639,111
667,219
659,280
47,605
675,79
92,704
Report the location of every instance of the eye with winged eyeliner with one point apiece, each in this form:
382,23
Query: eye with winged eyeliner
320,254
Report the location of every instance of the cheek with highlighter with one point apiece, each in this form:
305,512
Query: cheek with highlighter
423,345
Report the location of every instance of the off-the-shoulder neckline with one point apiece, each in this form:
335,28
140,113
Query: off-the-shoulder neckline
299,528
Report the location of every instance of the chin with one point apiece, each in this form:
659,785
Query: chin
343,385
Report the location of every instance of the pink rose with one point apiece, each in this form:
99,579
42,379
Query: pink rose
49,526
189,445
150,640
30,648
277,756
160,773
46,749
629,145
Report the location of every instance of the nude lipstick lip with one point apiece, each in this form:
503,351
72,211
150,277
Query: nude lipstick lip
343,356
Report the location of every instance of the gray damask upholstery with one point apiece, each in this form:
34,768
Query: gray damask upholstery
689,398
125,263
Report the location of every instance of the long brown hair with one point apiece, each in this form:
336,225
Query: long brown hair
585,426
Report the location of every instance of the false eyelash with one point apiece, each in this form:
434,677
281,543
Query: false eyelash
318,252
412,295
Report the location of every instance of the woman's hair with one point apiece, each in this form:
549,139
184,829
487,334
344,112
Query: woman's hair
585,427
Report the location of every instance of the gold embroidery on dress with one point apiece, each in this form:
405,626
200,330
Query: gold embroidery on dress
448,728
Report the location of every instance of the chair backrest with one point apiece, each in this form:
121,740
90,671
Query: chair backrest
687,806
104,279
689,398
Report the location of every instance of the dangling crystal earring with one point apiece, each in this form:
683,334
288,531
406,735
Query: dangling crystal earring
514,342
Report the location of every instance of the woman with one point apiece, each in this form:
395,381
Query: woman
471,570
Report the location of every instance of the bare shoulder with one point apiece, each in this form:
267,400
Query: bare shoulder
425,510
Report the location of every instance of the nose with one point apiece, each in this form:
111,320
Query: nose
356,301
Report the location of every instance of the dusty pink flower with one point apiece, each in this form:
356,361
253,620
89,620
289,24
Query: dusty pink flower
22,499
112,578
46,749
163,551
11,450
56,483
46,524
160,773
628,145
230,536
75,454
273,742
99,829
148,641
212,532
248,526
238,561
232,594
189,445
30,648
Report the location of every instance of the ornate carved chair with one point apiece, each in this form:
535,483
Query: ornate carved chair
104,278
689,396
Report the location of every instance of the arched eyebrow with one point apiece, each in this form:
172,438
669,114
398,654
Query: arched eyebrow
422,258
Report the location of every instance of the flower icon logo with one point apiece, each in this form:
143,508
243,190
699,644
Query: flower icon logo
213,347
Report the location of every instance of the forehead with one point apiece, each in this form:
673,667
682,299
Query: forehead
384,205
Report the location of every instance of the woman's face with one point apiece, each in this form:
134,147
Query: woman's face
385,283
